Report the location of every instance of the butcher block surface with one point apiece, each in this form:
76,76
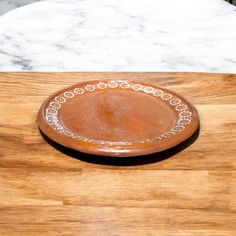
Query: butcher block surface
46,189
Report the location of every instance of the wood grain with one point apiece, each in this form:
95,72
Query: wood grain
47,190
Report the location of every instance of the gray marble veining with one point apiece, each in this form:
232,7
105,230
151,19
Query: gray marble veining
119,35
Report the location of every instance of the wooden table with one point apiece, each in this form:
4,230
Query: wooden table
48,190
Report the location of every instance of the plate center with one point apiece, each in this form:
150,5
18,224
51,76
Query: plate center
117,115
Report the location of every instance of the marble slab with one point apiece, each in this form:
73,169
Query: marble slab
119,35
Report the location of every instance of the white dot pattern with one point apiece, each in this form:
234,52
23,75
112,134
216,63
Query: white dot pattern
53,108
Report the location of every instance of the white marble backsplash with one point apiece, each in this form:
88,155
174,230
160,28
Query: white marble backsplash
119,35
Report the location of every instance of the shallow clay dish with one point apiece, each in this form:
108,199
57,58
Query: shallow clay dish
117,118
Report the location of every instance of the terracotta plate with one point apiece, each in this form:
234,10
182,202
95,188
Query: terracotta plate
117,118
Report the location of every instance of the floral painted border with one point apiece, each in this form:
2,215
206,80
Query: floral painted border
53,107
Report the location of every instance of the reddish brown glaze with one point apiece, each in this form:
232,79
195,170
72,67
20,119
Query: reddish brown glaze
117,118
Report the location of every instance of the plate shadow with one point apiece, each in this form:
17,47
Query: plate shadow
124,161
